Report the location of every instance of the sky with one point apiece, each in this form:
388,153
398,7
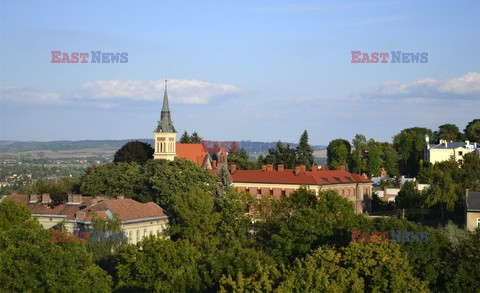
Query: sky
237,70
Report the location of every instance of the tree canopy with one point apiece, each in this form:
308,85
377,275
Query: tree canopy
338,153
134,151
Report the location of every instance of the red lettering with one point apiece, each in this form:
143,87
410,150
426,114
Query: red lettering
366,58
355,58
384,236
65,58
374,57
55,234
374,236
55,55
355,234
225,146
84,56
384,57
75,57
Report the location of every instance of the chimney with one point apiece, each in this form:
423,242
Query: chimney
269,167
467,142
33,198
297,170
325,168
120,196
77,198
264,167
80,215
342,168
233,168
280,167
70,198
303,168
214,163
46,198
314,167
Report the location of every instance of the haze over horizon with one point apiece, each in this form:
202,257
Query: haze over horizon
259,71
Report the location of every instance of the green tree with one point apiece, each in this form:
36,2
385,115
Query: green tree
374,158
194,217
242,164
470,172
159,265
134,151
185,138
472,130
281,155
156,180
338,153
382,266
31,262
357,162
224,180
463,265
410,146
409,197
445,188
299,223
304,151
195,138
448,132
321,271
390,159
103,251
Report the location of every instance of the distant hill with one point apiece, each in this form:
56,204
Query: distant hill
63,145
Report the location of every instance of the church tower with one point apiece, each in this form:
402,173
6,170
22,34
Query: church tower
165,134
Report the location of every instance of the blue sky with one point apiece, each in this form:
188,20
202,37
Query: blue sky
237,70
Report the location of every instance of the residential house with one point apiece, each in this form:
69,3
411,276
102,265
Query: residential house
472,210
138,219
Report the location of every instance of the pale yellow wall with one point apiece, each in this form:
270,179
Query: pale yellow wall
148,227
144,228
440,155
353,191
47,221
472,220
166,149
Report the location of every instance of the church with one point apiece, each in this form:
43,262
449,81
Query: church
267,181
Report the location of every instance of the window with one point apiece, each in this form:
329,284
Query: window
478,222
138,236
460,153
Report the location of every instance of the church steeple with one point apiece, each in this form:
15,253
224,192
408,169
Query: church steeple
165,134
165,124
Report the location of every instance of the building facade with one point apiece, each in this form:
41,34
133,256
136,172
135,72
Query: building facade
282,182
472,210
139,220
445,151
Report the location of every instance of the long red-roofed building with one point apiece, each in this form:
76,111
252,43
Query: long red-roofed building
271,182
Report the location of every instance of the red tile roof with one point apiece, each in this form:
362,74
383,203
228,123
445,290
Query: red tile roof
192,151
43,209
126,209
320,177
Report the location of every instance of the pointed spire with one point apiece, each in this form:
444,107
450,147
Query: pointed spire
165,124
165,99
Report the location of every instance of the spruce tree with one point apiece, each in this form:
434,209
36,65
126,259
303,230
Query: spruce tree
304,151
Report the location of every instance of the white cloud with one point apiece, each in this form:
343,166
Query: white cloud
26,95
107,93
467,84
180,91
427,90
